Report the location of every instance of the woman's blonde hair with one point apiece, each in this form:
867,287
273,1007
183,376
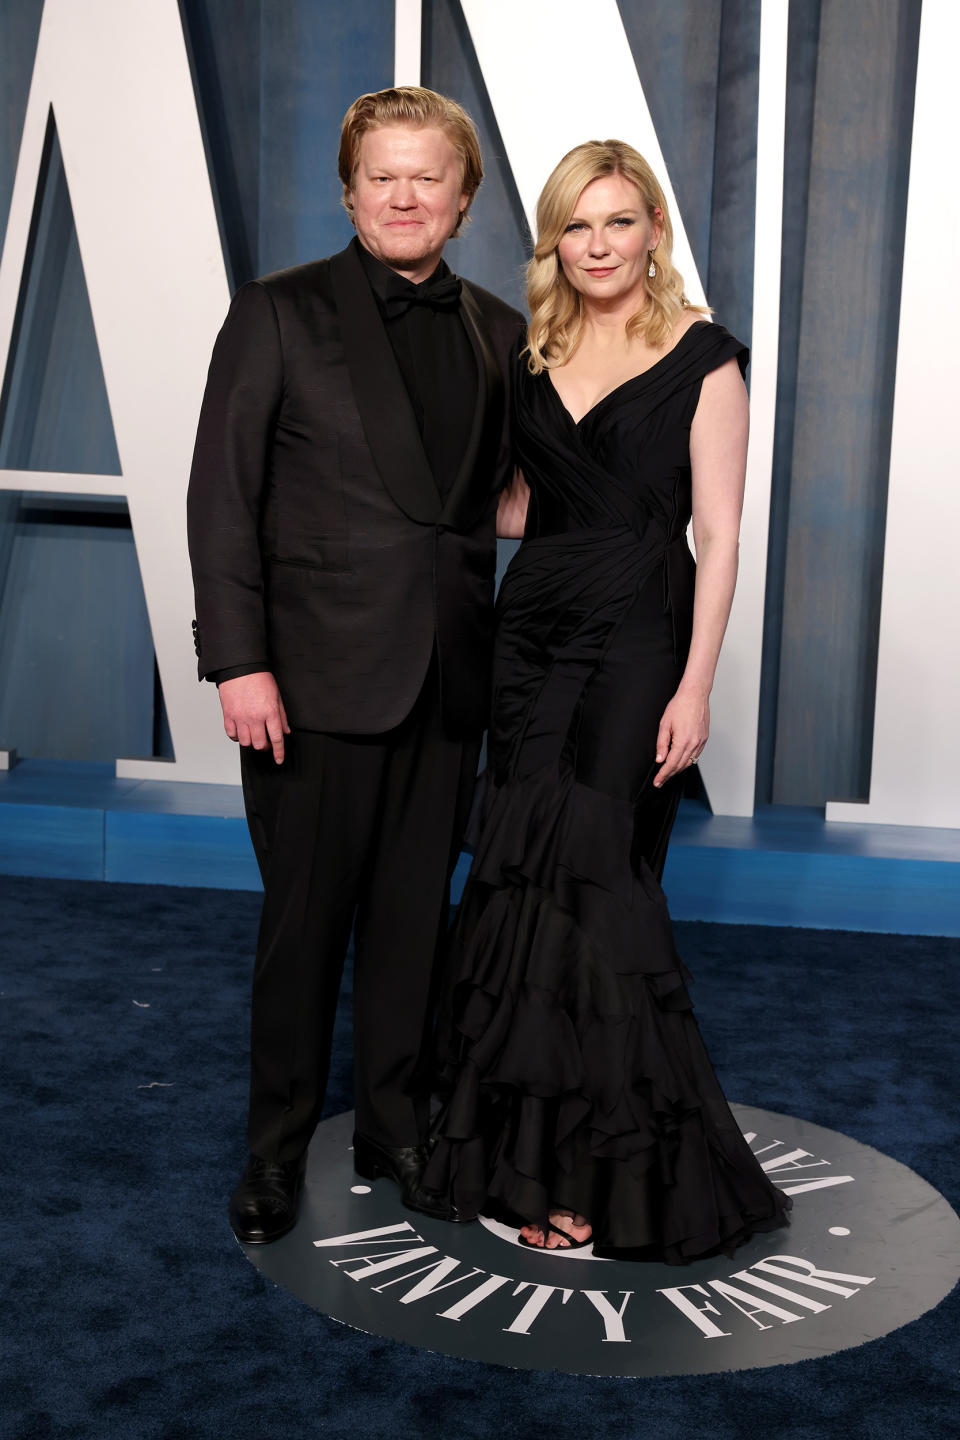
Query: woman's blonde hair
556,308
420,109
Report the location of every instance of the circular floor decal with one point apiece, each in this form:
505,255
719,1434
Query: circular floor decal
870,1247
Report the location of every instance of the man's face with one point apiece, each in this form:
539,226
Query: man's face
406,197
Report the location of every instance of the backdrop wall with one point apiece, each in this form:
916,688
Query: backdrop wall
272,79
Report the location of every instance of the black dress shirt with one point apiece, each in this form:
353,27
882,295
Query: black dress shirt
436,361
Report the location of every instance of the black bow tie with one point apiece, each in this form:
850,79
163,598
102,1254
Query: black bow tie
443,293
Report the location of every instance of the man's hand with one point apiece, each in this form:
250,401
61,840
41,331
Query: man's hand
253,712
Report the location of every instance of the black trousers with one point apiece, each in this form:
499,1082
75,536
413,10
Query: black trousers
354,832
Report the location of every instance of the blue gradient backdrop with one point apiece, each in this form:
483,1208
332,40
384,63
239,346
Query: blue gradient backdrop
273,78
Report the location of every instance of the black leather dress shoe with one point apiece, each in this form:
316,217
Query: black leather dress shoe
264,1205
405,1165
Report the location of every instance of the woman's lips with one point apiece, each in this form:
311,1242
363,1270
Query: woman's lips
602,270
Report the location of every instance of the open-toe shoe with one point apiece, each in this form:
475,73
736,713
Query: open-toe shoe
570,1245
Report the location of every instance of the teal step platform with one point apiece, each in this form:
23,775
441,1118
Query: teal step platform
786,866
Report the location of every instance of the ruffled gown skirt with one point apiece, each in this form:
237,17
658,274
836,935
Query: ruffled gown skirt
572,1070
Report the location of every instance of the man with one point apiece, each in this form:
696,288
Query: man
352,444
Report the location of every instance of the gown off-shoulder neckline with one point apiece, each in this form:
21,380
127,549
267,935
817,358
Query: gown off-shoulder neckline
630,380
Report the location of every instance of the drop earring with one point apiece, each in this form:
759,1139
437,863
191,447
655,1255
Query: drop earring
651,268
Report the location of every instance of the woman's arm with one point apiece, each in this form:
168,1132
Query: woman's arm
512,509
718,459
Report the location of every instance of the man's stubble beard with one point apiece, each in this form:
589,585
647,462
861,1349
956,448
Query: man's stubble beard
403,259
407,260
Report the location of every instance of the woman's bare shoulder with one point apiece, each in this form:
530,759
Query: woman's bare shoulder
685,322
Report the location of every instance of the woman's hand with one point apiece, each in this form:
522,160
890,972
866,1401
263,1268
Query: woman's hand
512,509
683,732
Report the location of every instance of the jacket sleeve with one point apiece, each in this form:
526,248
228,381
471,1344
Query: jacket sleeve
231,466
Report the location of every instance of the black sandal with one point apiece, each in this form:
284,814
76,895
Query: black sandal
570,1245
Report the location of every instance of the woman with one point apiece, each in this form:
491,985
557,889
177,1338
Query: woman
580,1100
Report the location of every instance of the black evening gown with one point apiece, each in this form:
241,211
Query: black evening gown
572,1068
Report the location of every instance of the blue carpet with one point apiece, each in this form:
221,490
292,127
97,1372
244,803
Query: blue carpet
130,1312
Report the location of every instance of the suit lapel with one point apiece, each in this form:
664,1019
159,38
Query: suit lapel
380,394
464,501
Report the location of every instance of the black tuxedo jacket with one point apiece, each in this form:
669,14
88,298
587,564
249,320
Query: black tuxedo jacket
318,536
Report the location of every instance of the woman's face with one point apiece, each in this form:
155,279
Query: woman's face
605,247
